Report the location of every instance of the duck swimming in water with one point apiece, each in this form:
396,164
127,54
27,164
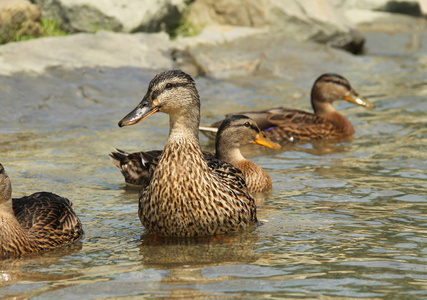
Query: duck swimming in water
291,125
235,131
188,195
34,223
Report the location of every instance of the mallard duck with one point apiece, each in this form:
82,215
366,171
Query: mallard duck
234,131
33,223
290,125
188,195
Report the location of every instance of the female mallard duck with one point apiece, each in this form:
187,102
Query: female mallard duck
234,131
188,195
290,125
37,222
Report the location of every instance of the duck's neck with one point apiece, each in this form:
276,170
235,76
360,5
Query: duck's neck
232,156
184,126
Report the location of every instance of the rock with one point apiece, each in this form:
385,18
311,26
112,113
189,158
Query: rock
211,37
409,7
18,18
107,49
303,20
117,15
226,51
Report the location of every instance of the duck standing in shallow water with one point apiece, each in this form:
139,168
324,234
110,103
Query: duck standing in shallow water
187,195
290,125
235,131
33,223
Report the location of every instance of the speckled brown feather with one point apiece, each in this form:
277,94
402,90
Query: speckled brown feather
301,126
256,178
296,126
37,222
203,198
235,131
187,196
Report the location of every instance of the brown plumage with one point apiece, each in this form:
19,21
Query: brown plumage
234,131
188,195
33,223
290,125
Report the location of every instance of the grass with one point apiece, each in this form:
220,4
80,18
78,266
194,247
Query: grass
49,28
184,28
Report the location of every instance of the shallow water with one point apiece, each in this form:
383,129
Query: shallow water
344,220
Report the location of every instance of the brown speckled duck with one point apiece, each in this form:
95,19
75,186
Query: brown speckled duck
34,223
290,125
188,195
234,131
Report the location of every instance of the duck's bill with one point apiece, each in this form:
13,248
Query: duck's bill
142,111
356,99
265,141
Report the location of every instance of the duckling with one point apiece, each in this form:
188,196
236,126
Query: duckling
234,131
188,195
33,223
290,125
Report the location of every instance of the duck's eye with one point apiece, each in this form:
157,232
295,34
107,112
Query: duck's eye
247,124
168,86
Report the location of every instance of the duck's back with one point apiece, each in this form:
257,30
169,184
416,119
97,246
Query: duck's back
49,218
297,125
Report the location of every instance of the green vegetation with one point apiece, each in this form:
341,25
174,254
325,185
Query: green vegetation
49,28
184,28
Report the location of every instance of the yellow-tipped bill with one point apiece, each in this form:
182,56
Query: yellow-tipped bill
356,99
265,141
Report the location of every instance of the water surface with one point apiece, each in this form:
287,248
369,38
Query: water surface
344,220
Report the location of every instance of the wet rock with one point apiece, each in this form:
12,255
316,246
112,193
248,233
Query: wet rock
194,54
391,33
18,18
317,21
226,51
118,15
410,7
109,49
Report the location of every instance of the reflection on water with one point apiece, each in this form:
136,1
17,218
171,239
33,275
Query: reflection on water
345,219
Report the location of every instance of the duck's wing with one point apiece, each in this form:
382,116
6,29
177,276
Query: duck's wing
136,167
265,119
296,125
49,218
233,178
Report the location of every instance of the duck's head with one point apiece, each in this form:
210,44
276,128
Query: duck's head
330,87
172,92
237,130
5,186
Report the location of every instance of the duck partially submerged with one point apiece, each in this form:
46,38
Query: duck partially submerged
235,131
291,125
34,223
188,195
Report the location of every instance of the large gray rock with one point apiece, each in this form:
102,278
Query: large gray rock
410,7
113,15
18,18
226,51
106,49
314,20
